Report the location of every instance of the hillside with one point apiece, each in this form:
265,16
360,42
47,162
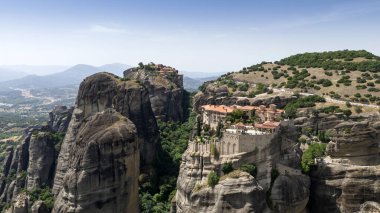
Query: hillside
343,75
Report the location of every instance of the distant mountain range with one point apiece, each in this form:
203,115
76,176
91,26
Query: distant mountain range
7,74
11,77
192,84
72,76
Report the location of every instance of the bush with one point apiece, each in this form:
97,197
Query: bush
358,109
309,101
324,82
315,150
44,194
227,168
249,168
212,179
347,112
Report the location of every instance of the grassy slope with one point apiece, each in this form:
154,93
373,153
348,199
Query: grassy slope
316,65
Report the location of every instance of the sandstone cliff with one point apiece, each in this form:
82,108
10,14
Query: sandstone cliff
244,193
59,118
349,176
165,91
103,168
112,135
32,163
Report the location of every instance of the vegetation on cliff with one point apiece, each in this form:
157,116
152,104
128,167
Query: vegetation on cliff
315,150
156,195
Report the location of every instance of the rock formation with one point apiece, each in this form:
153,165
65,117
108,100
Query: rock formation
112,135
41,160
32,163
165,90
244,193
103,168
349,176
220,96
240,193
59,118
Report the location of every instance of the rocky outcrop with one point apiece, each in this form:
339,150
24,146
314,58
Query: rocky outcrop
369,207
349,176
290,194
343,188
356,143
41,160
39,207
219,96
165,91
20,204
103,169
31,164
112,136
193,195
131,99
240,193
59,118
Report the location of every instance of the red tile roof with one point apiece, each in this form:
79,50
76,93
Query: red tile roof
268,125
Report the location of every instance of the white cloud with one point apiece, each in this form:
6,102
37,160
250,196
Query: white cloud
106,29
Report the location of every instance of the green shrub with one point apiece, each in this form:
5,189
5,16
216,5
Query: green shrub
44,194
212,179
324,82
227,168
315,150
249,168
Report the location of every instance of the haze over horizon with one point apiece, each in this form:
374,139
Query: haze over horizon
212,36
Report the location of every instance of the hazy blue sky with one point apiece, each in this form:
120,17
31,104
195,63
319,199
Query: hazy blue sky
193,35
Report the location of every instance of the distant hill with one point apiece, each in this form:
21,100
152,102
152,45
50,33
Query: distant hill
346,75
10,74
72,76
35,69
192,84
200,75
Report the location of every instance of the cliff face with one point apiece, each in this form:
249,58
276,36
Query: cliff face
32,163
220,95
59,118
242,192
165,92
112,134
103,168
349,176
238,194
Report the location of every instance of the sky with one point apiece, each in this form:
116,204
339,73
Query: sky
191,35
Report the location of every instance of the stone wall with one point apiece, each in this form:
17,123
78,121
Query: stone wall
235,143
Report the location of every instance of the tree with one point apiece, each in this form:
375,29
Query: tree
212,179
227,168
347,112
315,150
199,128
141,65
219,129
